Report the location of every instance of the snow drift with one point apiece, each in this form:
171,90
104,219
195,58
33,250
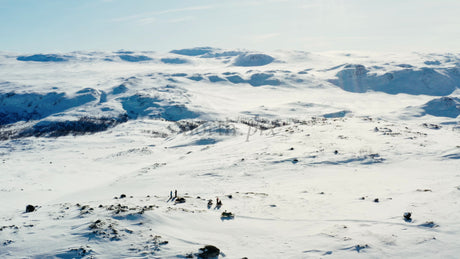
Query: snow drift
139,105
134,58
44,58
443,107
428,81
174,61
16,107
193,51
251,60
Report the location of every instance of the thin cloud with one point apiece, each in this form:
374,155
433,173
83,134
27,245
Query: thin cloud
186,9
146,21
267,36
311,5
181,19
149,15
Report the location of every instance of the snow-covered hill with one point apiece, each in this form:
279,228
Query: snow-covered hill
316,154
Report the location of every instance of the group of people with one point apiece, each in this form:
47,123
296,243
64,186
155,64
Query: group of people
218,201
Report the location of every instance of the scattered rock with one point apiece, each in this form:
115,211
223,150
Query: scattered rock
375,156
96,224
358,248
85,209
14,227
407,216
431,126
106,230
424,190
30,208
376,200
81,252
227,215
8,242
117,209
209,251
180,200
122,196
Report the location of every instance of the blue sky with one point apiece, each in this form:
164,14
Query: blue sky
162,25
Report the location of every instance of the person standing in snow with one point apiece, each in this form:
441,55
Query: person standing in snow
175,193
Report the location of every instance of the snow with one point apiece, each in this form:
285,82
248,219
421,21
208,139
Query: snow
250,60
316,154
43,58
356,78
32,106
193,51
443,107
174,61
260,79
132,58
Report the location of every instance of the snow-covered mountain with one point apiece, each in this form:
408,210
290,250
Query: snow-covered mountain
315,154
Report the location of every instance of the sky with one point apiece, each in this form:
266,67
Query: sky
163,25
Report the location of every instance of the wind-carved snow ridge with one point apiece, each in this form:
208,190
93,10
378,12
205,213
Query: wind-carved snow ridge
16,107
174,61
135,58
253,78
251,60
243,58
260,79
44,58
198,51
416,81
139,105
54,114
442,107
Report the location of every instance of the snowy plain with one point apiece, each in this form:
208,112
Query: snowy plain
318,155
